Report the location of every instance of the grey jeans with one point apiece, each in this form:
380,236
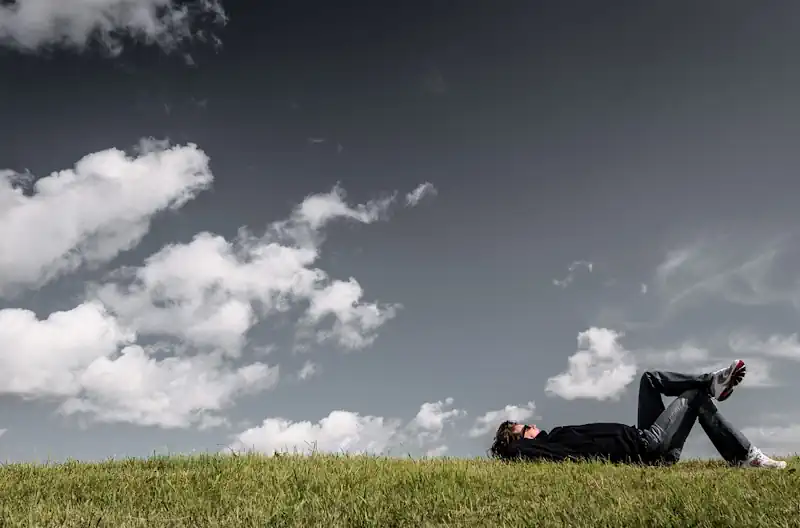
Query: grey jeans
664,430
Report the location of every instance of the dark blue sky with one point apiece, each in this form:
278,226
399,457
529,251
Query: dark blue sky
622,133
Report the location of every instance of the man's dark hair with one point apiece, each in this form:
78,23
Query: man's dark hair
502,440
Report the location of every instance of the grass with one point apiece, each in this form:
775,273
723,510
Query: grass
354,491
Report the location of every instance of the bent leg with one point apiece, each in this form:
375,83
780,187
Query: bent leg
728,440
667,435
656,383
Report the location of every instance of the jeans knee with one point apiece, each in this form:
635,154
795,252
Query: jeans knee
658,448
696,397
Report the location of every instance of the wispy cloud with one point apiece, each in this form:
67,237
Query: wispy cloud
777,346
572,270
487,422
739,271
752,271
422,191
686,355
308,370
33,25
780,440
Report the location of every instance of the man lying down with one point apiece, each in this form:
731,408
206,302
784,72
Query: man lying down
660,434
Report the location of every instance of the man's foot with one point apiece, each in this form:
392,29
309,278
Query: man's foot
725,380
757,459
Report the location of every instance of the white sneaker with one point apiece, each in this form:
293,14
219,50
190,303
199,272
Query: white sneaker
725,380
757,459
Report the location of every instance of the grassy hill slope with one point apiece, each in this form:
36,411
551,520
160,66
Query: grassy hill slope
372,491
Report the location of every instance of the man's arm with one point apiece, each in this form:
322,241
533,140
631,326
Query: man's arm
536,449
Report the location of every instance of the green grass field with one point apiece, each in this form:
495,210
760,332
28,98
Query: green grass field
356,491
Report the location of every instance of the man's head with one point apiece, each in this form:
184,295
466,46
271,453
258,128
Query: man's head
509,432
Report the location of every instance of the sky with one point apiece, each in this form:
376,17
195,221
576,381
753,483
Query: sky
350,227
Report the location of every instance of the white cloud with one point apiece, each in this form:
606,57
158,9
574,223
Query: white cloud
207,294
432,418
308,370
643,288
355,322
422,191
350,432
211,291
489,421
31,25
779,346
340,431
319,209
775,440
42,358
87,215
202,296
183,291
600,369
572,270
74,356
437,451
171,393
3,431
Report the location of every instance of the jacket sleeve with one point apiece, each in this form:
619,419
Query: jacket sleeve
538,450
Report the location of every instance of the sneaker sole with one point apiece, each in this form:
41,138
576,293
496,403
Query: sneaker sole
736,378
781,465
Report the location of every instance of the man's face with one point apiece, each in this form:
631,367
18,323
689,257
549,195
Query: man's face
527,431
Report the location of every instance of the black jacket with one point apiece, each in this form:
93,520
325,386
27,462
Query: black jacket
610,441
